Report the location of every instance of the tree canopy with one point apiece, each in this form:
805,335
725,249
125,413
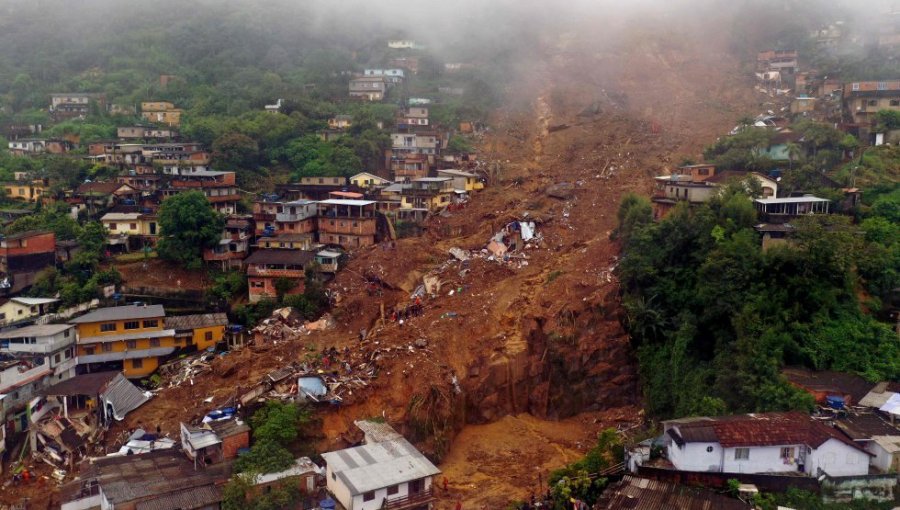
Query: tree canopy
188,224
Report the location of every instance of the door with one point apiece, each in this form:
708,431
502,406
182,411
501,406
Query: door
415,487
152,228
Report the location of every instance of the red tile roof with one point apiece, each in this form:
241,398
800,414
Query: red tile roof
763,429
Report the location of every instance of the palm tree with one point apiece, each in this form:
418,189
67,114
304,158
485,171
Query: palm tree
793,152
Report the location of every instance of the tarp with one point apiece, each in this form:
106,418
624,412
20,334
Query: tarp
312,386
892,406
527,229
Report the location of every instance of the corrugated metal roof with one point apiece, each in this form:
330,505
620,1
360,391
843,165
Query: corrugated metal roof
202,320
123,396
375,466
33,300
85,384
643,494
121,313
37,330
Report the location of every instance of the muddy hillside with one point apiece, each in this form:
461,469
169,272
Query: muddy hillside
538,330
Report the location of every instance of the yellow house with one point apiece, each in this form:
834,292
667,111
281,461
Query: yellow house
162,112
21,308
367,180
465,181
132,224
26,191
132,338
202,330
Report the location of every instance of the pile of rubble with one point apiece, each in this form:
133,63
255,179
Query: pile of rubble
177,372
287,324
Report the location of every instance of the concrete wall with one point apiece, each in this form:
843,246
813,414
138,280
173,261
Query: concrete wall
882,459
838,459
695,457
763,459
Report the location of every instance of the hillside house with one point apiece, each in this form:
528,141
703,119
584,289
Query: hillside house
129,338
365,180
876,435
303,242
647,494
75,104
131,230
31,359
144,132
392,76
768,185
347,223
198,331
314,188
266,267
22,308
201,446
411,64
221,194
304,475
234,245
297,217
412,117
23,256
863,100
779,145
763,443
782,61
386,473
462,180
274,108
782,210
27,146
98,196
161,112
234,434
429,193
369,88
30,191
407,166
821,384
340,122
671,189
401,44
158,480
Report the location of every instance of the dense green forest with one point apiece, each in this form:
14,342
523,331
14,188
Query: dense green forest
714,318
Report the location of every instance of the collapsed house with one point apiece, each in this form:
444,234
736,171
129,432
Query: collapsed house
83,408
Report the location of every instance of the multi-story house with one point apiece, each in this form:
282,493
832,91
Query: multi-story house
347,223
340,122
297,217
314,188
131,230
783,61
393,76
23,256
144,132
218,187
369,88
31,359
75,104
161,112
408,166
412,118
234,246
130,338
266,267
31,191
368,181
27,146
428,193
863,100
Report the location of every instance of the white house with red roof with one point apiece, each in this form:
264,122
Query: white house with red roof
777,443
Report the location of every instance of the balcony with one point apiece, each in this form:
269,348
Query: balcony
343,225
299,216
410,501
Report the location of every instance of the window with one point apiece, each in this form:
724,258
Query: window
882,85
787,452
132,325
109,326
855,86
137,363
56,358
873,102
131,344
88,351
107,347
66,333
369,496
703,171
895,102
709,449
741,453
151,323
208,335
68,353
154,342
133,226
393,489
112,226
